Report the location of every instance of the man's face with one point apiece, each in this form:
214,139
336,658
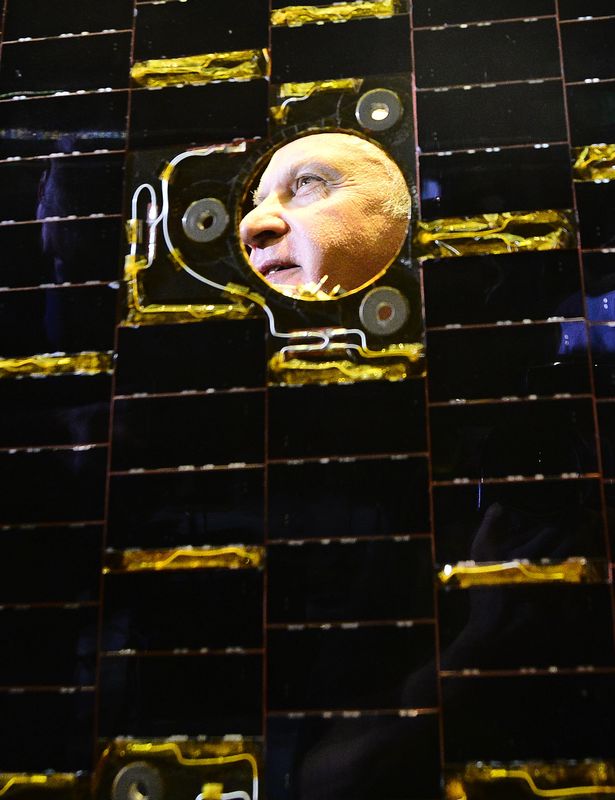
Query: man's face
319,211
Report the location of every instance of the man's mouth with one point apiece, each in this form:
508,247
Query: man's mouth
273,270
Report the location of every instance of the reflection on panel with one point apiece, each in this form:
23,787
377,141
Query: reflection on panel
476,183
212,609
523,717
532,520
596,204
48,646
67,409
384,756
549,437
333,420
498,628
602,344
449,12
587,49
166,30
378,580
354,498
203,695
494,233
606,424
531,779
198,114
386,40
62,187
72,251
590,106
335,668
502,52
487,117
48,66
508,361
216,429
50,565
515,287
166,510
58,320
56,124
599,273
60,486
31,18
175,358
46,731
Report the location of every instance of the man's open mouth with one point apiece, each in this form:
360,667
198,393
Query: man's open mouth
271,269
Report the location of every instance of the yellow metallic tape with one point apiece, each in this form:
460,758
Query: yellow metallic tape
139,312
297,92
75,364
594,163
507,232
593,774
288,368
237,65
188,558
212,791
293,16
467,574
13,784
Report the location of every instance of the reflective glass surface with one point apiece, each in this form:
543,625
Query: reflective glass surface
586,49
342,420
596,203
509,180
378,580
449,12
511,361
512,287
591,108
572,9
203,695
32,572
335,669
73,251
503,52
171,509
531,520
499,115
341,507
36,18
174,358
219,429
547,437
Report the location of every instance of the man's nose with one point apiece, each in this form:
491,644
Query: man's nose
264,225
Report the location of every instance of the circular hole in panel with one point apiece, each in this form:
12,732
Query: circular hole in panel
330,215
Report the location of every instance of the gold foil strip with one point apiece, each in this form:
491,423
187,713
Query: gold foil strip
596,162
235,557
466,574
507,232
45,364
533,779
293,16
139,312
189,753
14,784
236,65
297,92
399,362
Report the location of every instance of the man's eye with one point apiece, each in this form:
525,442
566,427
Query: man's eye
306,181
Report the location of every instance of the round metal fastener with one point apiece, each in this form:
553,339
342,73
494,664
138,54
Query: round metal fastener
137,781
384,310
379,109
205,220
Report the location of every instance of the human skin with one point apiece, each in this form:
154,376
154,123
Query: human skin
320,214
